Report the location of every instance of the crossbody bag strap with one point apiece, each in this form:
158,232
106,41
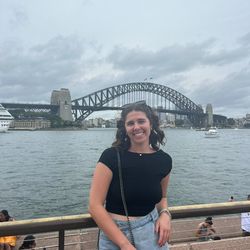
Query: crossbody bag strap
123,196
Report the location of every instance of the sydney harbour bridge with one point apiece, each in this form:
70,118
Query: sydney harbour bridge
160,97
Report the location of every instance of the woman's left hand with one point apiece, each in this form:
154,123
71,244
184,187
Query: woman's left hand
163,228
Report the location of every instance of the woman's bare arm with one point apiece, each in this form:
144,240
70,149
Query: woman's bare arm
100,184
163,224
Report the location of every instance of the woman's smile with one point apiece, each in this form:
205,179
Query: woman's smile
138,133
138,127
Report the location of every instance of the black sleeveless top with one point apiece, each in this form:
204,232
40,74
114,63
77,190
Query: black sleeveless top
142,175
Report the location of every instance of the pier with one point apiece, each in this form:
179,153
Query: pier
79,232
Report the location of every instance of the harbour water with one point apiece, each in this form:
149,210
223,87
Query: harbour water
48,173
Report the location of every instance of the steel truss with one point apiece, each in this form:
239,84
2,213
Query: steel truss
84,106
32,107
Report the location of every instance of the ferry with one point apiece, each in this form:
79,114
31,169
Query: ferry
5,119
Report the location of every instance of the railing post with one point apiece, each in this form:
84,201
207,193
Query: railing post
61,239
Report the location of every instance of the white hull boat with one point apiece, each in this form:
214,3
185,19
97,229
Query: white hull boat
5,119
212,133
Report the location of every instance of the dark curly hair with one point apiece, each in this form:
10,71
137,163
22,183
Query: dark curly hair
6,215
156,137
28,242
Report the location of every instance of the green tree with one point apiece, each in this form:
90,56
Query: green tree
231,121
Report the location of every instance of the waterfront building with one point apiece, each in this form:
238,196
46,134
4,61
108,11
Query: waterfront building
111,123
95,122
100,122
246,123
32,124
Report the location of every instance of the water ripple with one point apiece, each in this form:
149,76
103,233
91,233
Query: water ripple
48,173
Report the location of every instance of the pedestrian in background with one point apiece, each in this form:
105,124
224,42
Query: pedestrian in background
29,242
7,242
245,222
205,230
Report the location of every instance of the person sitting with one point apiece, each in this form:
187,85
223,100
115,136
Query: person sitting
245,221
28,242
205,229
7,242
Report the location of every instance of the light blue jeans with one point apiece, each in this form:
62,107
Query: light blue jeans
143,230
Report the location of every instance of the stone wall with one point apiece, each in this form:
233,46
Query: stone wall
63,99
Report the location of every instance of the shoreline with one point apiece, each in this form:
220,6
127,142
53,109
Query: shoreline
47,129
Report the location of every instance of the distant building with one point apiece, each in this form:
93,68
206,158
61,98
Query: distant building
209,112
246,123
100,123
37,123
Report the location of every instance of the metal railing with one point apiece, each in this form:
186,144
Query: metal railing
84,221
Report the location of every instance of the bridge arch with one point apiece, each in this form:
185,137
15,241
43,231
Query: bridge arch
84,106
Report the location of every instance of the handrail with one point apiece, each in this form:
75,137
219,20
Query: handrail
44,225
71,222
179,212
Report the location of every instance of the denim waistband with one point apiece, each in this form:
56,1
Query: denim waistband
152,216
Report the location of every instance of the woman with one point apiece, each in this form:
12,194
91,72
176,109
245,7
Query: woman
205,229
145,171
28,242
7,242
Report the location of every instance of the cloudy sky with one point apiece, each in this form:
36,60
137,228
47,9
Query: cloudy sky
199,48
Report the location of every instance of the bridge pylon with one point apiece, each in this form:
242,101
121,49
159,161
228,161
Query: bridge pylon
62,98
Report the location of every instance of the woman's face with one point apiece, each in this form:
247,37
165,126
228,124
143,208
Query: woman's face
208,224
138,127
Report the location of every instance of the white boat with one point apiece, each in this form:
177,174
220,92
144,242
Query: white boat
5,119
212,133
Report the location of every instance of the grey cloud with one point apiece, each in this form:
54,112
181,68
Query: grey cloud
19,17
27,74
177,61
223,56
176,58
60,49
245,40
232,92
171,65
31,75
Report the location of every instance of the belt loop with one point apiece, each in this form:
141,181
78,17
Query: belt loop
152,213
151,216
155,214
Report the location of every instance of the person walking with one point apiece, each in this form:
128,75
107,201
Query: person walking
145,176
